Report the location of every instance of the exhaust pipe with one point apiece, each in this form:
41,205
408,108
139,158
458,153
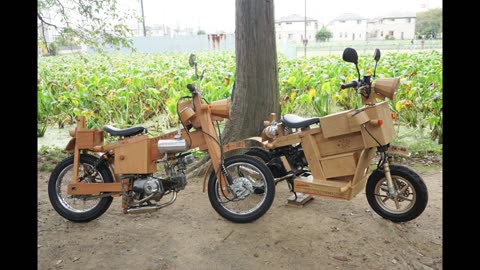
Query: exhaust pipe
146,209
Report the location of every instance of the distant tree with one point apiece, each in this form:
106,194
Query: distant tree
323,34
201,32
93,23
429,22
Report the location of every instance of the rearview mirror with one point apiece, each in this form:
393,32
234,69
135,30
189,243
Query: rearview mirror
376,54
350,55
192,60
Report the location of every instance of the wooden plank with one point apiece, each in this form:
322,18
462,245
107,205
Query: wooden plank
212,142
339,144
363,164
313,157
301,200
93,188
338,165
328,188
294,138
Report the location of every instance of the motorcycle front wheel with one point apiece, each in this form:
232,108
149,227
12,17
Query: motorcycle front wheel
249,196
411,199
76,208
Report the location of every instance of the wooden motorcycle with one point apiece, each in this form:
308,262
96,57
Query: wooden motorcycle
333,159
81,187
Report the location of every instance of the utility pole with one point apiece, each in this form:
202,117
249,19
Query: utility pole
143,20
305,40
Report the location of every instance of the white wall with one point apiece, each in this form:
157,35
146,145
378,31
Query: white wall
348,30
294,31
395,25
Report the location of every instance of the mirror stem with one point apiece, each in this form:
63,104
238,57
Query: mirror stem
375,69
358,71
196,73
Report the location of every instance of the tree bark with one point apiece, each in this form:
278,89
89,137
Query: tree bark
255,93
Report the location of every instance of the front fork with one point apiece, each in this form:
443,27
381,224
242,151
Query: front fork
392,192
384,163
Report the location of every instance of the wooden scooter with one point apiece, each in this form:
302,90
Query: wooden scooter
333,159
81,187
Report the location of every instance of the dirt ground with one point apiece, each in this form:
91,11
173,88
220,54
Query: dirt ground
324,234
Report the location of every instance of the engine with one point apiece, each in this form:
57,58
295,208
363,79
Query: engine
295,157
149,187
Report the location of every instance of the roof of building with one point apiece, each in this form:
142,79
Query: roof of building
294,18
349,17
398,14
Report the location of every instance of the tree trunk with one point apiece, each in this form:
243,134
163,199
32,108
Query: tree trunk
255,93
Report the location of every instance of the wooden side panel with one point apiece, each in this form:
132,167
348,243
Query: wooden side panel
336,124
338,165
339,144
134,157
384,133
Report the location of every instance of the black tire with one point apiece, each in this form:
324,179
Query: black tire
263,180
262,154
415,195
62,176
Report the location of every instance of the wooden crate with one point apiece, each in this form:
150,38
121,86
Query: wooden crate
134,156
87,139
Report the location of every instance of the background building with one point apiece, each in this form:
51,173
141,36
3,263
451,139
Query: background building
292,28
348,26
395,25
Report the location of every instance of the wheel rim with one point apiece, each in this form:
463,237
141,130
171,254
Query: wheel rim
71,203
405,199
253,201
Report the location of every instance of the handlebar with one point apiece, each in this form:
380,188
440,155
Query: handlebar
348,85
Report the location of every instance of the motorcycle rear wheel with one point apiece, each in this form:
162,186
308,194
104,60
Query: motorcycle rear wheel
245,170
412,198
73,208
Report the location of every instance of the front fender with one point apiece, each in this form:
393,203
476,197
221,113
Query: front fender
71,145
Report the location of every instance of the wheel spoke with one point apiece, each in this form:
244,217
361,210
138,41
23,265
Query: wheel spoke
397,204
404,198
385,199
402,190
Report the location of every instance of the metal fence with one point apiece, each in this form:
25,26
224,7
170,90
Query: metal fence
288,49
367,47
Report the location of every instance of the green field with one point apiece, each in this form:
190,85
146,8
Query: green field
129,89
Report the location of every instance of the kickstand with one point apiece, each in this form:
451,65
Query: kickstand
297,199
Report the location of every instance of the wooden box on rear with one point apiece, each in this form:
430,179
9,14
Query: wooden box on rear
133,156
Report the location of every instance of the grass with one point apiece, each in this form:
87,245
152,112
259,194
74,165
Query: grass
48,157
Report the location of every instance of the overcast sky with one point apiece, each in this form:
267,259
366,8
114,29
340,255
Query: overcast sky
219,15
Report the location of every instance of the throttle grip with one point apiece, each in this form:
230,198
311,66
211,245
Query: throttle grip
348,85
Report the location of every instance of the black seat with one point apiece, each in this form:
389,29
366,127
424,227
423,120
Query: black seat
295,121
126,132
